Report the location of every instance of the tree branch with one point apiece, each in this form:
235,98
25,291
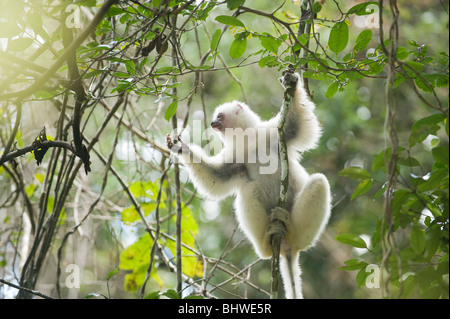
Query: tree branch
277,237
14,132
178,250
76,85
63,57
33,147
34,292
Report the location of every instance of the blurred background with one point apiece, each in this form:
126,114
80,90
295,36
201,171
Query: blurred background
113,237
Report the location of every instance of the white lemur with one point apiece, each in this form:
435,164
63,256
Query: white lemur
239,169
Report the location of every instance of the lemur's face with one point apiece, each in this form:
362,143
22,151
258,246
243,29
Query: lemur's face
227,117
218,122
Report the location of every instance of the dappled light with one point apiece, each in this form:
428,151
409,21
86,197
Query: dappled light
93,205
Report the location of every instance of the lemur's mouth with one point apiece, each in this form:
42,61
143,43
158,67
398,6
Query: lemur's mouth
217,125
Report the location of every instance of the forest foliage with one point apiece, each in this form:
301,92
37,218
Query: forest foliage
98,84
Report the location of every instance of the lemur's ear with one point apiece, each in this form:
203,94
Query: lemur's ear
239,108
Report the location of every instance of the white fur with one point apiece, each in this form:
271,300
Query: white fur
257,194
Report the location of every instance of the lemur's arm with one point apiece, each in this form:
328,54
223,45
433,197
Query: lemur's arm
212,176
302,129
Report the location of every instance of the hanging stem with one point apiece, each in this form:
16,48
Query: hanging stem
388,242
287,100
278,237
179,266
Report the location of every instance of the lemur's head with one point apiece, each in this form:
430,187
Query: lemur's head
233,115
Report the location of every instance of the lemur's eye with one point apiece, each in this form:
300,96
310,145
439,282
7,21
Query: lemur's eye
219,116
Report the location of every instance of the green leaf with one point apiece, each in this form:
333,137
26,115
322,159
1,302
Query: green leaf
113,11
129,215
136,258
440,155
153,295
136,254
405,159
363,40
121,74
103,27
230,21
442,80
269,43
19,44
93,73
171,110
94,295
447,127
172,294
408,286
416,65
332,89
238,47
436,178
215,39
40,177
122,86
355,173
400,197
353,264
361,277
352,240
362,188
402,53
269,61
381,191
361,9
379,159
234,4
112,273
303,39
417,240
144,189
29,190
432,240
424,127
376,67
338,37
424,86
87,3
317,7
34,19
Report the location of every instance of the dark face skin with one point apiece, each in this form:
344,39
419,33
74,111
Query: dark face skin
227,118
218,123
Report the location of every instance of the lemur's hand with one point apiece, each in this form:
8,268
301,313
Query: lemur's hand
169,142
176,145
289,78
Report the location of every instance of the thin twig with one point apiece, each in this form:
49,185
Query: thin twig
63,57
178,250
157,233
33,292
